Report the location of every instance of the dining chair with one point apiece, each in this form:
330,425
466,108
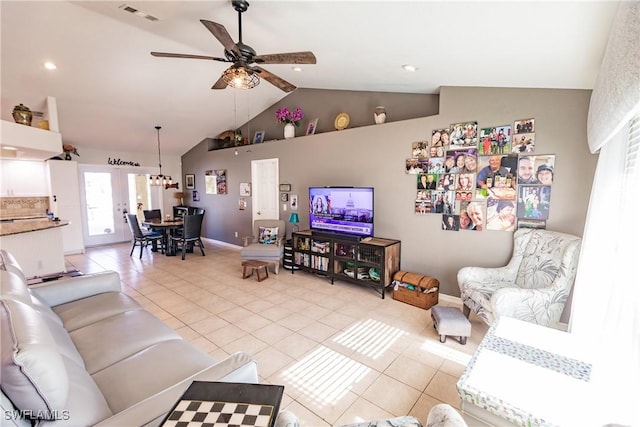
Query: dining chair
142,238
180,211
192,225
152,214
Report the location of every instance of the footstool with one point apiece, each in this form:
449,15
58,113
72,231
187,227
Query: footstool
450,321
256,266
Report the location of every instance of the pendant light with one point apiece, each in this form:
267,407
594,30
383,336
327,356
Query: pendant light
160,179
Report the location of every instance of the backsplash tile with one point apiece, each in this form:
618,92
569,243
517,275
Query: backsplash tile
23,207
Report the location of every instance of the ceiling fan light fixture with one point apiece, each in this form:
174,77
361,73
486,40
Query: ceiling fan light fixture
239,77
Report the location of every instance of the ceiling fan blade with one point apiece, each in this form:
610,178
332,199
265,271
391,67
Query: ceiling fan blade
220,84
275,80
183,55
221,33
287,58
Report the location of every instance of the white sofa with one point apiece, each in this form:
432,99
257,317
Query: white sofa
80,352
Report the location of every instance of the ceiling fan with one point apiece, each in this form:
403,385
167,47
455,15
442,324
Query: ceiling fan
242,74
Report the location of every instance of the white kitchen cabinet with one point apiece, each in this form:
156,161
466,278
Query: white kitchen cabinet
23,178
64,200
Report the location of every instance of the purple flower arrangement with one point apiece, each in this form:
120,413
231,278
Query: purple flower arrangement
284,115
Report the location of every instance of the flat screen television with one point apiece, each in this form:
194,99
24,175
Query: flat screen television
346,210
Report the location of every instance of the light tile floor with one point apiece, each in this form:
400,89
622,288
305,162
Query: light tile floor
343,353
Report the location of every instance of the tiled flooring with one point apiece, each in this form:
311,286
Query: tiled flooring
343,354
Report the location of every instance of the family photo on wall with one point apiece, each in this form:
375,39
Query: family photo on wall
486,179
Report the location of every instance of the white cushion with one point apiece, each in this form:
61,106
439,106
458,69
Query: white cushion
86,405
9,263
13,287
33,372
135,378
111,340
85,311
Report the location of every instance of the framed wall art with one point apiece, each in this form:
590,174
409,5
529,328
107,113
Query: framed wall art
258,138
245,189
311,127
190,181
216,181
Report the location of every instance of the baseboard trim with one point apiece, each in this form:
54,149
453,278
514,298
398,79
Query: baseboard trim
221,243
450,298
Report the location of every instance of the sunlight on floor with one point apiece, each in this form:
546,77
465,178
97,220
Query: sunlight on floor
325,375
441,350
370,338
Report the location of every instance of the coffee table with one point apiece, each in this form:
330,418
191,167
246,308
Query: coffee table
530,375
226,404
254,265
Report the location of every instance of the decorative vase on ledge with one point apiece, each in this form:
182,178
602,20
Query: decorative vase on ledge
289,131
379,115
22,115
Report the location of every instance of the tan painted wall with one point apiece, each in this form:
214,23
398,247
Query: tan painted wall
375,156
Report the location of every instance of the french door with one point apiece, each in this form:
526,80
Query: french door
107,195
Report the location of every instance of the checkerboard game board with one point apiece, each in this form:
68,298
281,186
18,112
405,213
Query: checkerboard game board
208,404
188,413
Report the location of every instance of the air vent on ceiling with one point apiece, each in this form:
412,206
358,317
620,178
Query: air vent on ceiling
135,11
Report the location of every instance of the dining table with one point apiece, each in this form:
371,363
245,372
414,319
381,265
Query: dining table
167,227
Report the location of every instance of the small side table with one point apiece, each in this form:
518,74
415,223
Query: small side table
287,259
256,266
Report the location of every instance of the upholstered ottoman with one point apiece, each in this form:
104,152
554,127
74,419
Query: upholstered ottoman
450,321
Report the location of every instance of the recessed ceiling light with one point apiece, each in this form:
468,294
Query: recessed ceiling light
6,147
50,65
296,69
409,67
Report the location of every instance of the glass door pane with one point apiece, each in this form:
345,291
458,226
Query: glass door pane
105,201
99,197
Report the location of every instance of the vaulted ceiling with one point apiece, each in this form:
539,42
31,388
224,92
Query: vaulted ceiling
111,92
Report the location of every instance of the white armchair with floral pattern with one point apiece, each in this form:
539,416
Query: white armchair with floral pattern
533,286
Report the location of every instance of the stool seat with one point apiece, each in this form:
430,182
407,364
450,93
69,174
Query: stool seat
254,265
450,321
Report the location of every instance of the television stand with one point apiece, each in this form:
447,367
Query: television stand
333,235
370,262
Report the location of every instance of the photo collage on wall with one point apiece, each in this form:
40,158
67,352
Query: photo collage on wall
482,179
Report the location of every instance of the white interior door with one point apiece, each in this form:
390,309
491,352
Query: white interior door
265,178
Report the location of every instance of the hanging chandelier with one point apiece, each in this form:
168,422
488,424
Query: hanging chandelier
160,179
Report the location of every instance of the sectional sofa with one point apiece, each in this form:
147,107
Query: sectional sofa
80,352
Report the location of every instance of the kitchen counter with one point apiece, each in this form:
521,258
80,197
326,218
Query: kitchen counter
18,226
36,244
